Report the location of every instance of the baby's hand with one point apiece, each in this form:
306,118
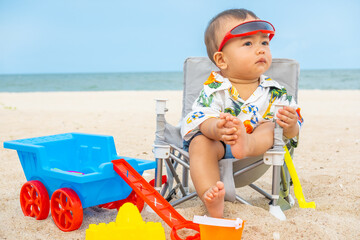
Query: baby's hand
225,115
230,126
230,119
287,119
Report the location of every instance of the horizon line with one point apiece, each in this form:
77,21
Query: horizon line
150,72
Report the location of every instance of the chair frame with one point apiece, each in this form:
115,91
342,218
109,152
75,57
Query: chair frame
173,156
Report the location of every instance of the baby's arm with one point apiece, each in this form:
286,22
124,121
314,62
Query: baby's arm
288,121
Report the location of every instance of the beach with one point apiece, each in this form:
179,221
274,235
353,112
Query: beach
327,160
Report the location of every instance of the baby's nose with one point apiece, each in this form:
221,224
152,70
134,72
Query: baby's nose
260,49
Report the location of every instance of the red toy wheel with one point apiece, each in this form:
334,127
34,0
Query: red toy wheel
34,200
133,198
66,209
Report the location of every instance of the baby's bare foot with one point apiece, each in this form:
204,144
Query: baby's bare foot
241,147
214,200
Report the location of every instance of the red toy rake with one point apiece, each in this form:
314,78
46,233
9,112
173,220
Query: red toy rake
154,199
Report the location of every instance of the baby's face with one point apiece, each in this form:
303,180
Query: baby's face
246,57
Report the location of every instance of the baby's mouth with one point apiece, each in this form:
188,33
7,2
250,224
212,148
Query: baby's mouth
261,60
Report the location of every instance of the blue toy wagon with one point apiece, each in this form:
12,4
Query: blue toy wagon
75,169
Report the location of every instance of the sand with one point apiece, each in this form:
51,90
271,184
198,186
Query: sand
327,160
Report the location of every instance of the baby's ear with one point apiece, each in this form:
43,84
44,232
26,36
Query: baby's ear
219,60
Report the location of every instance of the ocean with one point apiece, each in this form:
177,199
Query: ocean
309,79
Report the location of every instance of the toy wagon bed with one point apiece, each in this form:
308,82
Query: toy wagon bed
76,171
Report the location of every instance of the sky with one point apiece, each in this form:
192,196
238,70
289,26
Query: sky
85,36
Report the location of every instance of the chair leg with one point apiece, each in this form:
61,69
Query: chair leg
183,199
164,189
176,176
185,170
285,183
259,190
185,178
275,184
243,201
275,209
158,174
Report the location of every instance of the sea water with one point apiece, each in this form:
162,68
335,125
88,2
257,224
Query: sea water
309,79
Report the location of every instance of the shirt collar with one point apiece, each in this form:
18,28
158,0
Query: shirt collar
268,82
265,83
216,82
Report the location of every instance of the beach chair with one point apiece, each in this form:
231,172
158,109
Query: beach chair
234,173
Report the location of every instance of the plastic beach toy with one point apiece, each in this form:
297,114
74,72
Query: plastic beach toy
297,186
219,228
129,225
68,172
156,201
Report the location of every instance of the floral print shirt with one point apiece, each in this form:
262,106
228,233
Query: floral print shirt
218,95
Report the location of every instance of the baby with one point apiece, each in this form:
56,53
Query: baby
231,117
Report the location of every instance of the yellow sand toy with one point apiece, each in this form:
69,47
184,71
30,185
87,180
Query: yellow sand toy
129,225
297,186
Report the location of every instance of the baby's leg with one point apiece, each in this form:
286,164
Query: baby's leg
254,144
204,169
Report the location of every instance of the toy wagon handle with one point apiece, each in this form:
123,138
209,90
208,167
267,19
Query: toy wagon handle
188,225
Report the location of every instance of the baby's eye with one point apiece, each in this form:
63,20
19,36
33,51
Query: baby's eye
247,44
265,43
